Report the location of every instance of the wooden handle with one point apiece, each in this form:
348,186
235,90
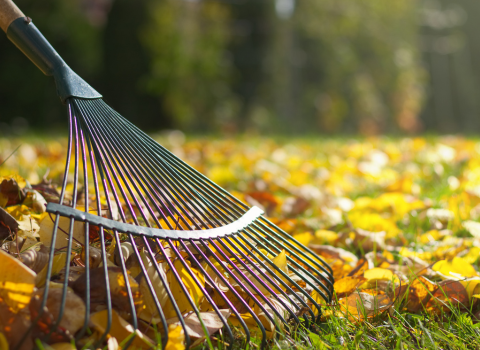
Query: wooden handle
9,12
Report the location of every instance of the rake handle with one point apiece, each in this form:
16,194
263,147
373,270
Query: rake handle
9,12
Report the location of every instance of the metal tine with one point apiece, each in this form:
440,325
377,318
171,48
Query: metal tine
184,290
167,289
87,236
179,187
133,243
108,162
202,288
285,275
262,282
292,261
231,288
247,291
262,263
250,283
102,239
149,183
54,234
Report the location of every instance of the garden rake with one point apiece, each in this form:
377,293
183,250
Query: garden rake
174,219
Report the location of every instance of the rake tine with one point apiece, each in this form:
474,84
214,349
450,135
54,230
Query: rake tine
87,238
165,178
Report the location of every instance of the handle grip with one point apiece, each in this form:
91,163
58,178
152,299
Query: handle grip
9,12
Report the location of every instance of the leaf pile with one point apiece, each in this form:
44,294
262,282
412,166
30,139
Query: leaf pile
397,220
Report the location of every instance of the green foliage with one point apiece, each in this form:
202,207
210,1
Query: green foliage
189,70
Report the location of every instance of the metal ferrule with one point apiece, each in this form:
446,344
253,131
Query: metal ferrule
23,33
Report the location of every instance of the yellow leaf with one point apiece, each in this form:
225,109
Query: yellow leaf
120,329
176,338
325,237
3,342
17,282
378,273
457,268
347,285
472,256
181,299
59,262
303,238
281,261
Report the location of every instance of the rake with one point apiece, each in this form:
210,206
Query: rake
173,217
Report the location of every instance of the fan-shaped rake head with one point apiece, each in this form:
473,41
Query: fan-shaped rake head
185,248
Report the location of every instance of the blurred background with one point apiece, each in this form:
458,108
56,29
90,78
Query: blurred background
257,66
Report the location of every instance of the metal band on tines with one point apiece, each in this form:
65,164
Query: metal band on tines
244,221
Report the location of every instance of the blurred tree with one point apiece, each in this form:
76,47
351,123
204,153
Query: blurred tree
126,65
351,65
189,70
27,97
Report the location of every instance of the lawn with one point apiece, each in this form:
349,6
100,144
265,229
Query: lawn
397,219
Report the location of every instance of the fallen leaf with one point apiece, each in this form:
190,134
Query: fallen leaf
17,282
347,285
176,338
211,321
63,231
120,329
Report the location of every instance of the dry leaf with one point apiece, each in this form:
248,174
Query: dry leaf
120,329
73,317
61,241
17,282
211,321
347,285
176,338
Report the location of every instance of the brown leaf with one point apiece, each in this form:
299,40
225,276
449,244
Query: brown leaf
10,189
35,259
362,266
362,305
73,316
419,293
8,224
14,326
118,290
210,319
48,191
448,295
